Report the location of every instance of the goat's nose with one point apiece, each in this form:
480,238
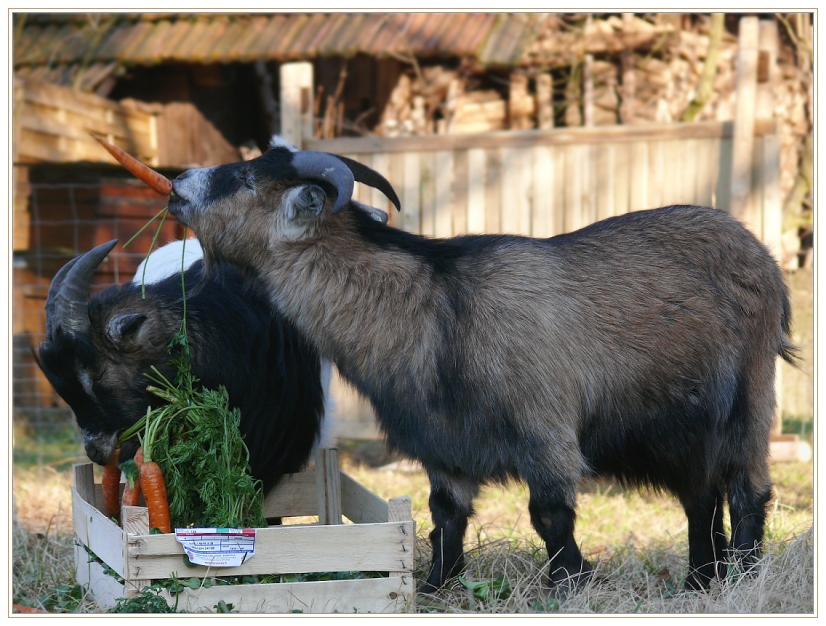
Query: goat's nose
99,446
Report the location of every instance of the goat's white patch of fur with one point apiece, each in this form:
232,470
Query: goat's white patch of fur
191,186
278,141
166,261
85,381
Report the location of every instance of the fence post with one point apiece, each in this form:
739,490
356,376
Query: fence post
769,164
297,103
742,203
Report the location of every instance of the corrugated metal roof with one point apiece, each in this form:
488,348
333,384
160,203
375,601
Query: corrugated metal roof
46,39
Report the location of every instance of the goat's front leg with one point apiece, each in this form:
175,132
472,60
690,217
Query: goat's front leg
451,504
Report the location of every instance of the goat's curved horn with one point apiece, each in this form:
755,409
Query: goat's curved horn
69,291
328,168
371,177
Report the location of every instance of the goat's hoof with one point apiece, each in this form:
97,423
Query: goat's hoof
563,582
427,587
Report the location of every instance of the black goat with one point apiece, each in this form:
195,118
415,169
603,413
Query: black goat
97,353
641,347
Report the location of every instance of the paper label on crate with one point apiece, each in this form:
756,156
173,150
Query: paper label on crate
217,547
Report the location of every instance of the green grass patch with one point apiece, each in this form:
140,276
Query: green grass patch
56,445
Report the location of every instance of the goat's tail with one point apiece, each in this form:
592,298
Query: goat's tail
788,351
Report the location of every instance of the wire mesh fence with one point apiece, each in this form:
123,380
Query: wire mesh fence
69,211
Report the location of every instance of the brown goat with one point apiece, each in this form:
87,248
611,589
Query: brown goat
641,347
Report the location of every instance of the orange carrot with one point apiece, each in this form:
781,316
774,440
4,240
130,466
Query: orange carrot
132,490
19,608
131,493
110,485
154,493
156,181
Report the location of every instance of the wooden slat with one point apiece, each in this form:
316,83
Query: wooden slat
104,587
543,180
99,533
443,201
476,190
296,97
622,176
605,181
328,486
493,193
428,193
690,151
512,199
359,504
460,192
135,521
295,495
663,173
524,161
724,175
574,188
589,184
638,169
288,549
126,137
772,203
515,138
742,204
411,193
704,183
559,190
375,595
401,510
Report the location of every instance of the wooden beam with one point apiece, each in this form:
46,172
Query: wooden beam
297,103
742,203
554,137
328,485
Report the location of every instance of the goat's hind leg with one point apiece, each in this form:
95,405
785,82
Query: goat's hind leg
747,509
451,504
707,543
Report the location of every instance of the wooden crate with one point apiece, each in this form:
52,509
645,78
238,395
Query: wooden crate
380,538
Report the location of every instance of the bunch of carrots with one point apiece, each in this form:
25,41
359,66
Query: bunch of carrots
193,465
143,476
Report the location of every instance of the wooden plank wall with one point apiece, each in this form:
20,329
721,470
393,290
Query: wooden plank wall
55,122
544,183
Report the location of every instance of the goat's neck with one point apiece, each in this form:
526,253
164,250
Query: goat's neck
364,307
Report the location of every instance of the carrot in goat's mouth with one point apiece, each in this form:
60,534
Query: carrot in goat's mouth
158,182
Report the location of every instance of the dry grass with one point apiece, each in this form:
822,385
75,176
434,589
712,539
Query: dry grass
635,539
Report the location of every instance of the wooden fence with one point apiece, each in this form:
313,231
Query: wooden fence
543,183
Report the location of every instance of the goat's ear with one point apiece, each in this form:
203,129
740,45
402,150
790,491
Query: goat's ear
305,202
126,331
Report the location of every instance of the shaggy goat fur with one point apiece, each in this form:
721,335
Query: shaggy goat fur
641,347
